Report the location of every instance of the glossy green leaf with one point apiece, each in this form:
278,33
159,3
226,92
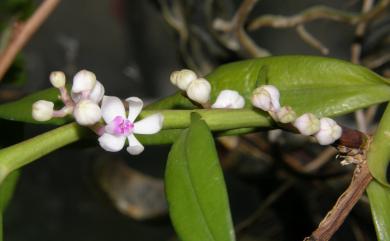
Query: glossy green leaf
379,197
195,187
20,110
378,156
323,86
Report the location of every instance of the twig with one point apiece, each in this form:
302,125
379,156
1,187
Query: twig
28,29
376,60
321,159
335,218
356,50
267,202
361,122
315,13
176,19
236,28
311,40
370,114
356,47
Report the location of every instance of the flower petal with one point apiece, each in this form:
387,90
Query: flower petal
112,107
135,147
135,107
112,143
150,125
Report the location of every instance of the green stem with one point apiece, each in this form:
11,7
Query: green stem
18,155
217,120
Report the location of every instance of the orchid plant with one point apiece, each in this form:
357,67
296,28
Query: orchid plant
297,94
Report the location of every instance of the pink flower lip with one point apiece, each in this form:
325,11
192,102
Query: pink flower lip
120,126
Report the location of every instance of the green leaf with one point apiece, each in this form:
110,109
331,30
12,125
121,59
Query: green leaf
379,197
378,156
20,110
323,86
195,187
18,155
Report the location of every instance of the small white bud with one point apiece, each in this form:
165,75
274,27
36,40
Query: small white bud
174,76
97,92
266,97
87,112
84,80
307,124
286,114
57,79
42,110
199,91
184,78
229,99
329,131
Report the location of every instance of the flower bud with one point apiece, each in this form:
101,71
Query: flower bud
84,80
87,112
97,92
229,99
307,124
199,91
266,97
329,131
184,78
42,110
174,76
286,115
57,79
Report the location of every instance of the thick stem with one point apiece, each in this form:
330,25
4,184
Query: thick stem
335,218
18,155
217,120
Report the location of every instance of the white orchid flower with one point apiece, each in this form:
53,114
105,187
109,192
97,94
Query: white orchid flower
119,127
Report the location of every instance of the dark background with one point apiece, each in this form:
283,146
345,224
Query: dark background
132,51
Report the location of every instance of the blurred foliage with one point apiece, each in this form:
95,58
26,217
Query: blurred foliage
11,12
19,9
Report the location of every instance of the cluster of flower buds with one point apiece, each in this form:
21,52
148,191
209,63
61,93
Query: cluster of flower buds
83,104
325,130
199,89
